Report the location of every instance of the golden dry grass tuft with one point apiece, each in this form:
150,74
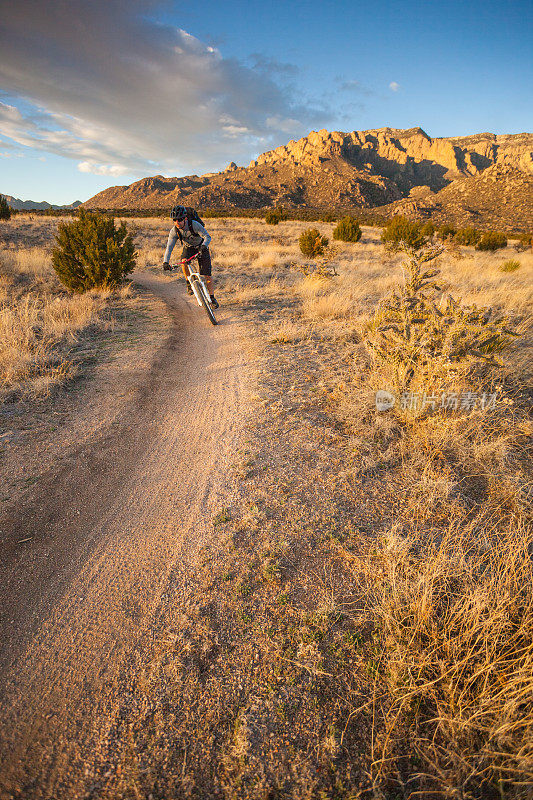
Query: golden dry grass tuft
35,333
456,619
40,323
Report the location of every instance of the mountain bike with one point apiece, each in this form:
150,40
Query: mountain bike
197,285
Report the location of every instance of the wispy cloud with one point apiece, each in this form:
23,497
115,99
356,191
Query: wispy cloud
119,93
102,169
353,86
271,66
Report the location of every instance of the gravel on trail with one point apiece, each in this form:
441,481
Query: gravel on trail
104,532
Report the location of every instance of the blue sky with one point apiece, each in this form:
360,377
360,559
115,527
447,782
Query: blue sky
96,93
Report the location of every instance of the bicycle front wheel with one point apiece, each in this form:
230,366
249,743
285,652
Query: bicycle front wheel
198,290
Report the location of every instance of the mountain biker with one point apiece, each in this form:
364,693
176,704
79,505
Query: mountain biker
194,238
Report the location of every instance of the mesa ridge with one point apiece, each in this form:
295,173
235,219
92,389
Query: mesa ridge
484,179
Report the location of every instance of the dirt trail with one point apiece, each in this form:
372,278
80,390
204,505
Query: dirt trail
122,520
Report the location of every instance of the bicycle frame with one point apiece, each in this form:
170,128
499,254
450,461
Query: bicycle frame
197,285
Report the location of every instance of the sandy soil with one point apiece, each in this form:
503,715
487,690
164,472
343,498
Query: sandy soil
108,530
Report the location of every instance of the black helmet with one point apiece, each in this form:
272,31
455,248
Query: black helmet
178,212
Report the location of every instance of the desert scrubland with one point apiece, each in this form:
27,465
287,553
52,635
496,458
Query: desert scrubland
43,328
361,623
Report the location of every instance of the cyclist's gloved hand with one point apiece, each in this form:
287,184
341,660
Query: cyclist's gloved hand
166,265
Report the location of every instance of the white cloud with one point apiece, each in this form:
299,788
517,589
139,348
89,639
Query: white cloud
290,126
394,86
352,87
132,96
102,169
352,84
72,140
234,131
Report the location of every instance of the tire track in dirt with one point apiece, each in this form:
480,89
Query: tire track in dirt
121,519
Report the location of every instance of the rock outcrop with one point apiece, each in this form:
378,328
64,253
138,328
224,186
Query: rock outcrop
500,196
407,156
357,170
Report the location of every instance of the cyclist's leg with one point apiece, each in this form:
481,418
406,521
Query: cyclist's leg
205,270
187,252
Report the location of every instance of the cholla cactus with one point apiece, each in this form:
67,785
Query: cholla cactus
420,331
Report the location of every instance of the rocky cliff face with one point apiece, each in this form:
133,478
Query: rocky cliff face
334,170
500,196
410,157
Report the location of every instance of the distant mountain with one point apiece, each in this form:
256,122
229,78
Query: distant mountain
500,196
33,205
385,169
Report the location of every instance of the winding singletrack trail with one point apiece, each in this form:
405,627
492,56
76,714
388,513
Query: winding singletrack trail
111,530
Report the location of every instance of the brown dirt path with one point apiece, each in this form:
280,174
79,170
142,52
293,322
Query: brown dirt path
126,514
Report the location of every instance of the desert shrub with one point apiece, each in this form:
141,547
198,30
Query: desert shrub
420,332
92,252
401,231
5,210
273,216
348,230
312,243
427,229
467,236
493,240
329,217
446,232
526,240
510,266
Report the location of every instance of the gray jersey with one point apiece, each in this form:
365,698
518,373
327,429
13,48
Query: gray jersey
198,236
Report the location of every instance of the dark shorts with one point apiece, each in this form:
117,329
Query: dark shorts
205,259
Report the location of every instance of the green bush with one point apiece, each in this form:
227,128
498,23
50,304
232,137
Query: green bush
467,236
273,216
492,241
92,252
446,232
427,229
348,230
510,266
401,231
312,243
5,210
329,217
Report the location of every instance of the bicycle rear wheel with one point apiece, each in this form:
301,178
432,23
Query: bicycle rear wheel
198,290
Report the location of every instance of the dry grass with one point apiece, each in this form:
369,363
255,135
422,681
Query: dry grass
436,666
450,586
321,299
40,324
289,332
451,583
456,619
443,643
35,333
